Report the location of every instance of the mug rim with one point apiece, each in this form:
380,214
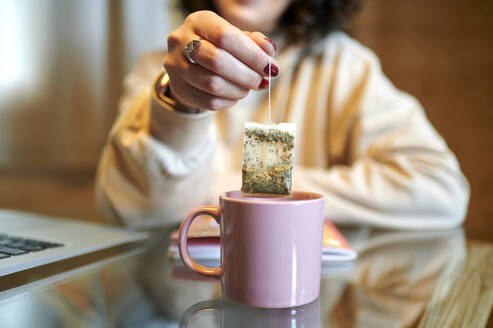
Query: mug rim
271,201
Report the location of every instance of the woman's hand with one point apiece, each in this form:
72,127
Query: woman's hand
229,62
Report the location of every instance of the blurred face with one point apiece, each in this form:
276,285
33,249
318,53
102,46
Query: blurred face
252,15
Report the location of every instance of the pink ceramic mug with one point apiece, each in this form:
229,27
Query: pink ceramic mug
270,248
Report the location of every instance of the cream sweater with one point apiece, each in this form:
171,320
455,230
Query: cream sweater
361,142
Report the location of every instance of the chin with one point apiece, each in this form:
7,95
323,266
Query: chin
243,16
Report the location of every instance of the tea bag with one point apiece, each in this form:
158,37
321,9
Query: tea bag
267,159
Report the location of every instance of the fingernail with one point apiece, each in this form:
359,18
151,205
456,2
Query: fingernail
271,42
273,70
263,84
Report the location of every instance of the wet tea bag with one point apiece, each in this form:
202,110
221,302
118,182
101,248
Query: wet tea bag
267,159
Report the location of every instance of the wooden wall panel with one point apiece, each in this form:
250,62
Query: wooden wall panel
442,53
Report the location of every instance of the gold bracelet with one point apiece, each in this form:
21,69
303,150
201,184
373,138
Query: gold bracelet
162,90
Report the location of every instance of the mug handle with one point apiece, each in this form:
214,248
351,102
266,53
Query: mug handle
213,211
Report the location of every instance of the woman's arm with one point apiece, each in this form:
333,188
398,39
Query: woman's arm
400,172
156,164
157,161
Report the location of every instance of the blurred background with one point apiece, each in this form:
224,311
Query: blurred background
62,63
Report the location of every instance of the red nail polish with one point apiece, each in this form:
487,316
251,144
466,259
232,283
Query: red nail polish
263,84
271,42
273,70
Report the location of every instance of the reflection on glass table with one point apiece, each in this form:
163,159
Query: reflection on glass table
400,279
225,313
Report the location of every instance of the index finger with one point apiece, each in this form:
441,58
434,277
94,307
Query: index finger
233,40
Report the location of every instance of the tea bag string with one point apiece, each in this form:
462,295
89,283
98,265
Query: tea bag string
264,146
270,64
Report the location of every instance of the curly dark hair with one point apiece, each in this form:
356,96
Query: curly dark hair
303,19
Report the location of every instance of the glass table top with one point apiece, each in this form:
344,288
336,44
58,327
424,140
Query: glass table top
400,279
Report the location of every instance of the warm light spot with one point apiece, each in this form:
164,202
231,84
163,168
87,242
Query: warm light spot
13,48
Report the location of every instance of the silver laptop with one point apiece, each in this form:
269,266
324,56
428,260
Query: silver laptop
29,240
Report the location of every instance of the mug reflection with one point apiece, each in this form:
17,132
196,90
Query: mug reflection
229,314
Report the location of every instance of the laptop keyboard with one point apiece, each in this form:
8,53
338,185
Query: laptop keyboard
12,245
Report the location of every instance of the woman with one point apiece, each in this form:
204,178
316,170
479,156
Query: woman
365,145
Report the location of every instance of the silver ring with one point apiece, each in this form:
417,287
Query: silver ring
189,48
